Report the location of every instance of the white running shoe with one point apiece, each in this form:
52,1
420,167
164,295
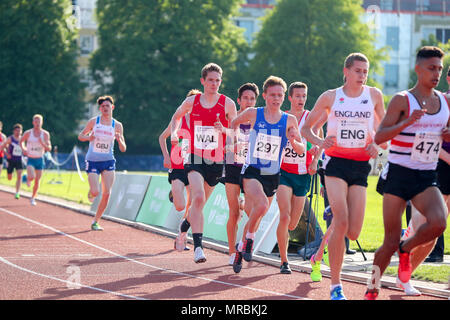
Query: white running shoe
33,202
181,241
199,256
231,261
408,288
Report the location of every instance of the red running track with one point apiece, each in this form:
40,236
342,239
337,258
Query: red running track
48,252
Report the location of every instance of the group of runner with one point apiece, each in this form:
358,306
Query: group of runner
258,152
263,151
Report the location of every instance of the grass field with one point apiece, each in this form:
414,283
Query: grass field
69,186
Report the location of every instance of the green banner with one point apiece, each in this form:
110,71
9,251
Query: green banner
156,205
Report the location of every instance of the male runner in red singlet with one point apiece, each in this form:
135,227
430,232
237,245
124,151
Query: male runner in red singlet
207,144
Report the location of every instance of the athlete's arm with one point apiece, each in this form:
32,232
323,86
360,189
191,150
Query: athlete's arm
184,108
22,142
317,117
446,131
119,137
163,145
249,115
396,119
445,156
5,145
84,134
46,143
293,135
377,98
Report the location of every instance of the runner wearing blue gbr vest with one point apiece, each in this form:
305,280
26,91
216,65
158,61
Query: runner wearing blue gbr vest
101,132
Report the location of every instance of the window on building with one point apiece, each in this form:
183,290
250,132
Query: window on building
392,37
249,27
391,75
443,35
86,44
387,5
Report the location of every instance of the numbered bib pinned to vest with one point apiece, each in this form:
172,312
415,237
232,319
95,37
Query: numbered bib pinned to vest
426,147
206,138
352,133
267,147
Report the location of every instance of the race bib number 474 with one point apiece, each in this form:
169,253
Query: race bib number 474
426,147
267,147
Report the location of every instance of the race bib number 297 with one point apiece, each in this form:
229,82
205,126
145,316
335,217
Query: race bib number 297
267,147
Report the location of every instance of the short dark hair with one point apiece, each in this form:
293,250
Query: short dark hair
428,52
211,67
17,125
248,86
296,84
102,99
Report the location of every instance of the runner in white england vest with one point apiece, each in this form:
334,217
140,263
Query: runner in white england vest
353,110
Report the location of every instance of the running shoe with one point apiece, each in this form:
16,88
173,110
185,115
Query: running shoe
316,275
96,227
408,288
325,257
199,256
284,268
404,267
247,250
237,263
371,294
33,201
17,196
337,294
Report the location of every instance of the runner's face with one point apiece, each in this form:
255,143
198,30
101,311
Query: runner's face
37,122
106,108
247,100
274,96
357,73
429,71
298,98
212,82
17,132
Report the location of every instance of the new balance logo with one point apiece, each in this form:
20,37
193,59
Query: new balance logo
364,101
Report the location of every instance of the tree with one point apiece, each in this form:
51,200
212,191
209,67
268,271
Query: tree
38,68
152,53
308,40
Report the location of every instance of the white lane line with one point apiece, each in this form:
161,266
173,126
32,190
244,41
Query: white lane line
68,283
149,265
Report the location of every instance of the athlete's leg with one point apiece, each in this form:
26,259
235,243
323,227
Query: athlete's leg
232,191
37,182
284,200
337,191
19,180
254,191
178,194
108,178
432,206
319,254
31,173
393,208
94,185
356,201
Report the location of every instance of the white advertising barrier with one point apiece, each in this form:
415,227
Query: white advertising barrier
266,236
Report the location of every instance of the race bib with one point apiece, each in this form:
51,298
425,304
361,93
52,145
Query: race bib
242,148
102,146
292,157
35,151
352,133
267,147
185,150
17,150
206,138
426,147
